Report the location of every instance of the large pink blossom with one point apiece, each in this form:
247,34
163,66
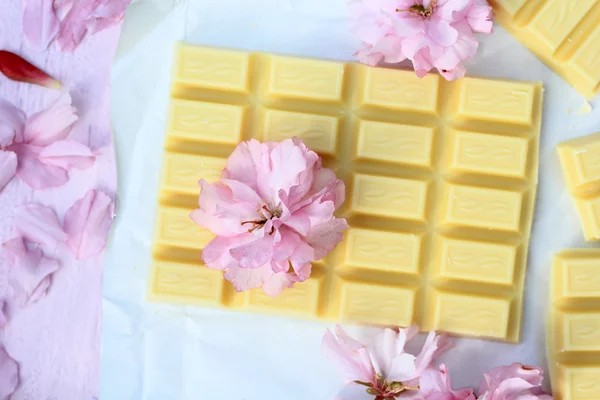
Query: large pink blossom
273,214
513,382
383,365
68,22
431,33
37,149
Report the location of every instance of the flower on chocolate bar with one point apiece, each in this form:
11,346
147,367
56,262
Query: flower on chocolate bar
513,382
431,33
36,149
386,369
272,212
68,22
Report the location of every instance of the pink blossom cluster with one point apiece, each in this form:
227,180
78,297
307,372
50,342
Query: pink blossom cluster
272,213
387,371
433,34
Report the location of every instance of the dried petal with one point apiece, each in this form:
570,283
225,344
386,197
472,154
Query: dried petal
88,223
16,68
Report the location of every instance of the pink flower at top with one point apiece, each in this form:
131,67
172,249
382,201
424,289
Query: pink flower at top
68,22
37,149
272,213
383,365
431,33
513,382
435,384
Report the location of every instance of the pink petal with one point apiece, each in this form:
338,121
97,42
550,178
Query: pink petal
365,55
40,24
74,25
31,283
433,347
12,123
88,223
62,8
30,272
254,254
351,362
67,154
287,163
3,317
39,224
51,124
245,278
276,283
33,172
454,74
243,193
107,14
389,358
480,17
216,253
9,374
323,238
8,167
245,163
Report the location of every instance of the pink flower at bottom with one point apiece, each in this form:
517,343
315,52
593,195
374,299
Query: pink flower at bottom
273,214
513,382
383,365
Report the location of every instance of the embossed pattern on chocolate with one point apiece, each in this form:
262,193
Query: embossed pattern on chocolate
441,180
564,34
573,332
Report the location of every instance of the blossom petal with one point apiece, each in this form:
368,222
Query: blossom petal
30,273
33,172
245,163
480,17
8,167
276,283
288,162
67,154
88,223
243,193
216,253
323,238
40,24
254,254
3,317
9,374
248,278
365,55
350,363
434,347
107,14
12,123
39,224
52,124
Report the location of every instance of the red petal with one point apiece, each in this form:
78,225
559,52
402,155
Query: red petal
17,69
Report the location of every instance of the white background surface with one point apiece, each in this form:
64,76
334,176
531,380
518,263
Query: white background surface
154,351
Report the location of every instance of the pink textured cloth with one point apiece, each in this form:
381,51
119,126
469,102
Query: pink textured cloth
56,340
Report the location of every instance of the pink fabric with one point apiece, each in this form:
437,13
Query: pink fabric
56,340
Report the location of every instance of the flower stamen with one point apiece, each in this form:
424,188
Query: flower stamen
420,10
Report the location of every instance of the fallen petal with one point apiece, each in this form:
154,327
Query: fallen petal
39,224
67,154
33,172
52,124
40,24
12,123
18,69
8,167
88,223
9,374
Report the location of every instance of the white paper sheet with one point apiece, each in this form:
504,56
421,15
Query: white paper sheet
154,351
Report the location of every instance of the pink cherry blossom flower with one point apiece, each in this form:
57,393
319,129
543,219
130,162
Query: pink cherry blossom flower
513,382
383,365
68,22
435,384
272,213
36,149
431,33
